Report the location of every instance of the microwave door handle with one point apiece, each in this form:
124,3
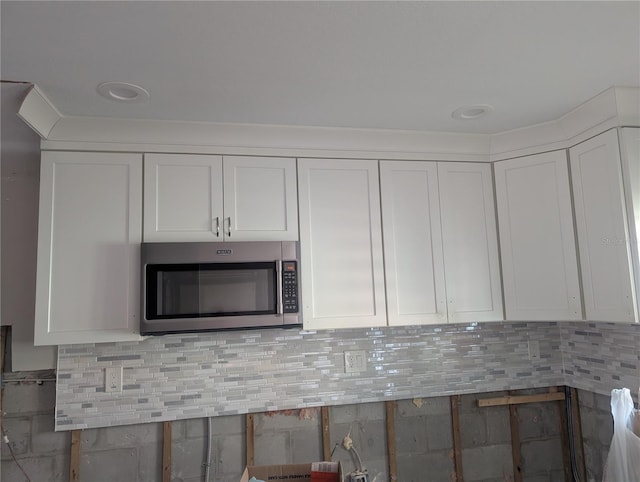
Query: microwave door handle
279,308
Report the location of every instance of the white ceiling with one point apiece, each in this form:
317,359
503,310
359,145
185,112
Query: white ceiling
396,65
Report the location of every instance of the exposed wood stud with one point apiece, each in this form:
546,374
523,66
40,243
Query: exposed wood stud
564,437
515,442
166,451
74,461
518,399
457,441
250,435
391,440
326,434
577,434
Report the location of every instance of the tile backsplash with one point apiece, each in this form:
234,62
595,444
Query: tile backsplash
599,357
198,375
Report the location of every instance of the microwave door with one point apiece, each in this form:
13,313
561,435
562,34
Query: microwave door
237,289
211,296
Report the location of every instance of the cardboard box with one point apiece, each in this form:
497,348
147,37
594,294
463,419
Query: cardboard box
315,472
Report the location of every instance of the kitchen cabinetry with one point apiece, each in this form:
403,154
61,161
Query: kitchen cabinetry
440,242
341,244
89,233
539,264
605,253
193,197
414,263
470,241
630,137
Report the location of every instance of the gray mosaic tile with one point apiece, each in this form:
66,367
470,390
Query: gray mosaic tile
186,376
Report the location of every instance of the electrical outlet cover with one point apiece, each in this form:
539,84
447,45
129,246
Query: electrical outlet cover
113,379
355,361
534,350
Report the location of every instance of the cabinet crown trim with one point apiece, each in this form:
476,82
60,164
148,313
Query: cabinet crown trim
616,106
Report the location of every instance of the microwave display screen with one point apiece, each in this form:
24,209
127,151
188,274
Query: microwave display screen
210,290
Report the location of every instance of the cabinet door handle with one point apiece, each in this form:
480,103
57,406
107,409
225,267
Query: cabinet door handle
217,219
229,227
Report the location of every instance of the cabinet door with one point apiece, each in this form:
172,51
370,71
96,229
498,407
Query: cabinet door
470,240
412,243
341,244
602,232
182,197
539,263
88,273
631,177
260,199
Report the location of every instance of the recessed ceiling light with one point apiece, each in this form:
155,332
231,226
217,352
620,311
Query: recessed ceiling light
123,92
469,112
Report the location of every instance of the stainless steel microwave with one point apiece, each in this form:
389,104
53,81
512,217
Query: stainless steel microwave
190,287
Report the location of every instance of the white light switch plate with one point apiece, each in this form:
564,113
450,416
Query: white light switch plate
113,379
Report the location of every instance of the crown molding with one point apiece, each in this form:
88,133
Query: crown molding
616,106
38,112
181,136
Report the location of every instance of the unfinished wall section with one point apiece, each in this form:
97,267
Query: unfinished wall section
288,437
424,439
28,422
365,424
597,431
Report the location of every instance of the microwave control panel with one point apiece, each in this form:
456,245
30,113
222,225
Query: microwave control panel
290,286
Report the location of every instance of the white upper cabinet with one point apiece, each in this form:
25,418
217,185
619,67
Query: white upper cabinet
440,242
89,233
194,197
470,241
260,199
341,244
539,264
630,137
412,243
605,256
182,197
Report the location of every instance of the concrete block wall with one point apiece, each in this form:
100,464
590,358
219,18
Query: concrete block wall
596,422
27,421
486,440
288,437
424,440
366,425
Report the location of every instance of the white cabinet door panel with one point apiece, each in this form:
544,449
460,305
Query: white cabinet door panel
630,137
412,243
90,229
469,237
340,242
602,232
260,199
537,240
182,197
